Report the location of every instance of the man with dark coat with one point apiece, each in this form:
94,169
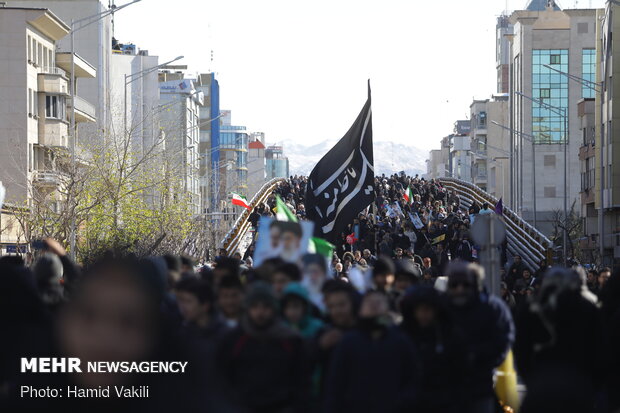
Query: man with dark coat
561,348
427,322
484,325
341,302
262,361
514,272
374,368
201,331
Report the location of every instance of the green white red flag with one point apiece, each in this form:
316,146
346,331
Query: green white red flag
240,200
408,195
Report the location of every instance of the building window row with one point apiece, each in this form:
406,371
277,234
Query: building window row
551,88
39,54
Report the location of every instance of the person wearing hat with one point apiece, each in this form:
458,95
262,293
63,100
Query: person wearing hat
262,361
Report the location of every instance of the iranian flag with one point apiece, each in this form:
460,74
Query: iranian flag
240,200
408,195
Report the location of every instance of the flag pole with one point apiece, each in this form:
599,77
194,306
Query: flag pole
374,220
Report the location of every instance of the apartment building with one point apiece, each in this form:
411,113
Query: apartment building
35,100
35,108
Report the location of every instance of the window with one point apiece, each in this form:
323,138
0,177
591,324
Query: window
34,51
35,103
555,59
45,55
482,119
55,107
39,53
29,102
549,160
588,72
550,192
545,93
29,49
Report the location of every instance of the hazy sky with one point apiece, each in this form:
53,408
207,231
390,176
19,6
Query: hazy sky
297,70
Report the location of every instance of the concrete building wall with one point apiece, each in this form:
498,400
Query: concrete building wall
31,136
93,43
256,170
498,150
572,30
143,111
608,53
18,130
180,123
436,164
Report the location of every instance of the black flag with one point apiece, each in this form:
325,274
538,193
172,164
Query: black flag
341,185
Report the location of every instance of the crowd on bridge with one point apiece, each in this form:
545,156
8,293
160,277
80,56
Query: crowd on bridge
397,320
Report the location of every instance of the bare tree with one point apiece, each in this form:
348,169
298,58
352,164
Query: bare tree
573,226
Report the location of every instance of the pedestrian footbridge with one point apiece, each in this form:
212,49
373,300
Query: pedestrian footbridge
234,238
523,239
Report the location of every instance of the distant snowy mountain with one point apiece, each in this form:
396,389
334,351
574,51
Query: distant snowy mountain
389,157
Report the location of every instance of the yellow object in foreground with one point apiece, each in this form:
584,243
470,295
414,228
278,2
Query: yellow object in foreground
506,385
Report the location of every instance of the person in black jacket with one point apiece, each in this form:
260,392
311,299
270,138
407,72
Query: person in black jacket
341,302
484,325
427,322
374,368
262,360
560,349
202,329
514,272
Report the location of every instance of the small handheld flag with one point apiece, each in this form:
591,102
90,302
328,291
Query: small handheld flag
499,207
240,200
283,213
438,239
408,195
321,246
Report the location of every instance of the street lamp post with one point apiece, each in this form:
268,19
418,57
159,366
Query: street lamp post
562,112
75,26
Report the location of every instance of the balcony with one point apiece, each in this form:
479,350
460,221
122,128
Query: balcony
47,179
53,132
82,67
84,111
53,80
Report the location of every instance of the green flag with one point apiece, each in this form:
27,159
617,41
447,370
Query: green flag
321,246
282,211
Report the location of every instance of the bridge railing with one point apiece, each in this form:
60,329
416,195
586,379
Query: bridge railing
523,239
241,226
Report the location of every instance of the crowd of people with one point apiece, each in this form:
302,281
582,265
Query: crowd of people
397,320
